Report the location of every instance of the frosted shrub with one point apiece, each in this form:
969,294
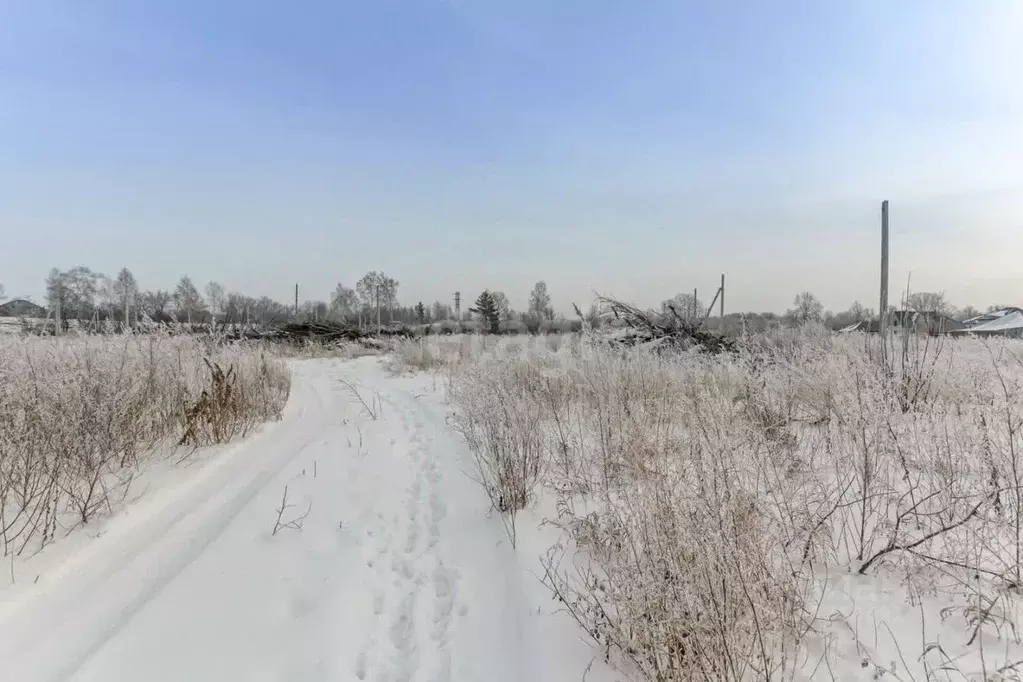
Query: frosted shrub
418,354
502,423
708,502
79,414
677,563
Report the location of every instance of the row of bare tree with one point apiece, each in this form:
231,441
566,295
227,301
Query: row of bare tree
809,308
81,293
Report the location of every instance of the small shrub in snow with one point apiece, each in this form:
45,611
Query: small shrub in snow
504,432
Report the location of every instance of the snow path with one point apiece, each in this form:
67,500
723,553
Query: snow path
397,574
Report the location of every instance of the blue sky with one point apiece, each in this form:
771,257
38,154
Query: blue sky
631,148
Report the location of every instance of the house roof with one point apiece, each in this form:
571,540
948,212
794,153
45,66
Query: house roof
990,317
20,306
1010,319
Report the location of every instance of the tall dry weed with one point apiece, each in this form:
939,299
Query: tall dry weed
78,416
705,501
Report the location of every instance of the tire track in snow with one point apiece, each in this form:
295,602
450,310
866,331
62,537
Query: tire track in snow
394,577
155,550
418,573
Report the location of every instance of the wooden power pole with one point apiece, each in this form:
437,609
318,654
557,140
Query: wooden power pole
883,312
722,303
296,299
56,310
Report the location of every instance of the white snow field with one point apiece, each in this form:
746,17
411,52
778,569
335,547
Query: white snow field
398,572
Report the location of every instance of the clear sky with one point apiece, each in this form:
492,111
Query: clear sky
633,148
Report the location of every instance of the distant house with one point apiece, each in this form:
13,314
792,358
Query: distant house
925,322
991,316
19,307
1005,322
921,322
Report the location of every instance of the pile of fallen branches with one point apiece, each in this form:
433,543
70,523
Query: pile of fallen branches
321,332
325,332
669,331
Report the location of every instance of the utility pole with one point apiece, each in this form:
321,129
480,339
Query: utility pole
696,306
376,291
56,309
722,303
458,306
883,324
296,299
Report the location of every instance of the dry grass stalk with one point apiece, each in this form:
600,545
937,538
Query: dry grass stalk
79,416
706,500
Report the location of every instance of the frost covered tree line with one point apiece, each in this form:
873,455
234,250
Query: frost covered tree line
81,293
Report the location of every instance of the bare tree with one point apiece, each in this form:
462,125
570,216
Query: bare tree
377,291
106,293
126,289
929,302
808,308
859,312
685,306
503,306
57,292
74,290
540,302
314,310
236,306
342,301
216,296
967,312
188,303
265,310
154,303
3,292
441,311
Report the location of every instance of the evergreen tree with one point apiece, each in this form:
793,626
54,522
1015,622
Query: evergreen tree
421,313
486,308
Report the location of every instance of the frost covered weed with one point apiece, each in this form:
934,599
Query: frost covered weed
443,353
503,423
418,355
707,502
78,415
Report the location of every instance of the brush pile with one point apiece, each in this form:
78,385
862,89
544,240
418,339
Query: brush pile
325,332
668,331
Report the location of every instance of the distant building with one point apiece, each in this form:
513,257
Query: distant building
1004,322
19,307
925,322
921,322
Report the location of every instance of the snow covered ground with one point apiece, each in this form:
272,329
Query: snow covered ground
397,572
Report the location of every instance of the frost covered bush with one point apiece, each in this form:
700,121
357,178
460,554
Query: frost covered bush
418,354
709,505
79,414
503,424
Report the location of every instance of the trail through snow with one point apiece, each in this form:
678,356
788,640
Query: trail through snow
397,574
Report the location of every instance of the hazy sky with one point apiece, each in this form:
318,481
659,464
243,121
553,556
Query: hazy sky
634,148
